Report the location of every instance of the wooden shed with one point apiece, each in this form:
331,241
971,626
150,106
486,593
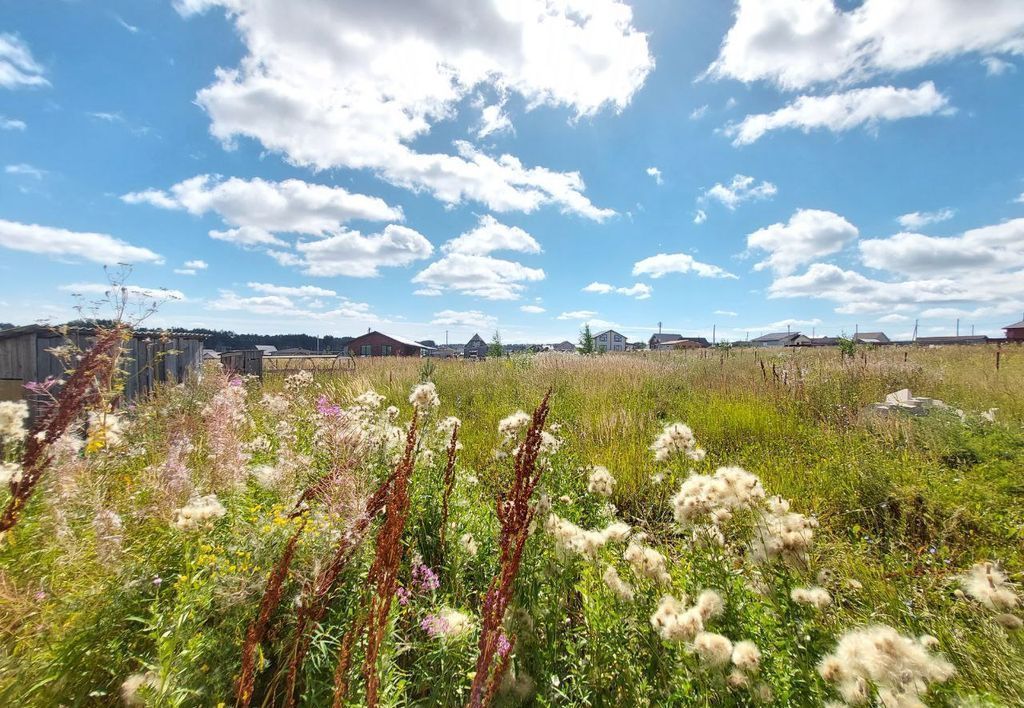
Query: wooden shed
150,357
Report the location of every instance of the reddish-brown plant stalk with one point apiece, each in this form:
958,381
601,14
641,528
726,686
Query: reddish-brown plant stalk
258,629
384,571
79,392
515,513
316,596
449,483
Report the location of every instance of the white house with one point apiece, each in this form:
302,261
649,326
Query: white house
609,341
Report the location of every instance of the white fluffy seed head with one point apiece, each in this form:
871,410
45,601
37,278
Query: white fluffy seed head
713,649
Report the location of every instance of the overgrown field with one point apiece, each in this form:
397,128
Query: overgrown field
247,542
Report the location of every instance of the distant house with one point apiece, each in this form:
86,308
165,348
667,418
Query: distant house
476,348
871,338
266,348
375,343
780,339
684,343
1015,332
822,342
660,337
565,346
609,341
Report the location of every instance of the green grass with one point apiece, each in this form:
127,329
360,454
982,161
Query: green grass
905,505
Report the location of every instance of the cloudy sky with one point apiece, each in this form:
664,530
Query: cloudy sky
422,166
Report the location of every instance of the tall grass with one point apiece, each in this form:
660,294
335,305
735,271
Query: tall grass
220,612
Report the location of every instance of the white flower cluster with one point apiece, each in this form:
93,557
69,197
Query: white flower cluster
13,415
601,481
298,381
104,429
370,399
898,667
746,660
647,563
448,624
817,597
509,427
275,404
10,472
447,426
267,476
988,585
715,497
676,439
199,512
677,623
424,397
622,589
570,538
782,533
468,544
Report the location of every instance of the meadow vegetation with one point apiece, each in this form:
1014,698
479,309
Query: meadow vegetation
688,528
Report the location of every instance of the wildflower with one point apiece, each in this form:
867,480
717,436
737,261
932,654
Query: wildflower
275,404
325,408
468,544
199,511
104,431
13,415
709,604
622,589
447,624
504,645
782,534
987,584
899,667
10,473
370,399
403,595
447,426
298,381
424,578
647,562
817,597
716,496
424,397
509,427
713,649
571,538
746,656
265,475
674,622
601,481
676,439
136,684
549,444
392,413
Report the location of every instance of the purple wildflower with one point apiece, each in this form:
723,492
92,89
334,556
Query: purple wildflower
403,595
504,645
325,407
41,387
235,381
434,625
424,578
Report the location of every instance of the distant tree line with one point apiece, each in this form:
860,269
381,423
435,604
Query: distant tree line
225,340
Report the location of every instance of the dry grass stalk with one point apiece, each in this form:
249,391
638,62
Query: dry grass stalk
81,390
515,514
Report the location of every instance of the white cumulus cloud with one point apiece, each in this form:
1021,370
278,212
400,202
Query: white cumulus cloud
799,43
839,112
808,235
64,244
17,65
640,291
332,84
664,263
920,219
355,255
742,188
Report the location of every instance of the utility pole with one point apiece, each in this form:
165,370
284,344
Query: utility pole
856,330
714,328
958,326
659,328
972,330
914,338
446,338
814,332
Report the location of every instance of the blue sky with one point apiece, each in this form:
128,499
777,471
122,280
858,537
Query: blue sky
528,166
